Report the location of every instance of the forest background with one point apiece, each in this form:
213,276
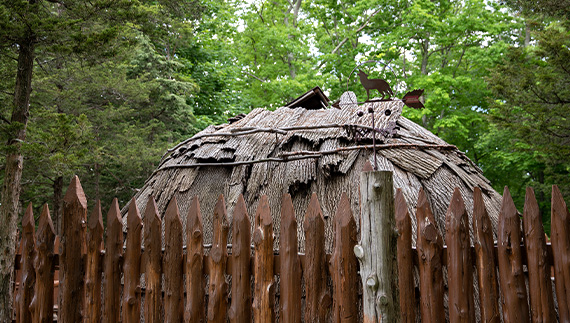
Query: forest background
116,83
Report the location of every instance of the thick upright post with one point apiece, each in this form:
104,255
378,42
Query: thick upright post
377,249
132,265
28,245
42,304
72,272
240,310
93,271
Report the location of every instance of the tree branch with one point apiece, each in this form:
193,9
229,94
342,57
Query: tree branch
255,77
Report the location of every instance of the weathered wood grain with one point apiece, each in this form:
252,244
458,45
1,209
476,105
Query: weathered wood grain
540,286
560,236
264,295
132,265
173,268
73,246
93,271
344,265
290,265
317,298
377,249
240,310
485,260
113,258
511,275
459,263
153,263
28,247
42,303
429,245
194,311
405,260
218,291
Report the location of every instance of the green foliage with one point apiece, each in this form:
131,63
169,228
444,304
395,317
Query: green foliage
531,87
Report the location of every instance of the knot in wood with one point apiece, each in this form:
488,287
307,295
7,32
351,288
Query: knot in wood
216,254
430,233
258,236
372,281
359,251
196,234
382,300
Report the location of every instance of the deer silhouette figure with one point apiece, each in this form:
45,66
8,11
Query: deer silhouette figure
375,84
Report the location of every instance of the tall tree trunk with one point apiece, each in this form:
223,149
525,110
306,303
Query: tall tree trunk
57,203
13,174
526,33
293,10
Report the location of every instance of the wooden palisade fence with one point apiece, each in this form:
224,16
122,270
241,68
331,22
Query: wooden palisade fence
169,297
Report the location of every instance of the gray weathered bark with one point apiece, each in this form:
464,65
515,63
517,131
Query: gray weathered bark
13,174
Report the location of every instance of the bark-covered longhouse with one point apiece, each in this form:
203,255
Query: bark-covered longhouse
266,152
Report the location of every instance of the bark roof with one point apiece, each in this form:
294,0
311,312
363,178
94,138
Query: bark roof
299,151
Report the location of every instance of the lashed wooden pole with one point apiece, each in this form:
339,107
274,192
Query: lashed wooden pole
264,283
240,310
377,249
112,266
317,298
42,303
93,271
173,264
459,264
73,245
561,252
28,245
194,311
540,286
218,291
344,265
405,261
511,275
132,265
290,269
430,255
485,260
152,263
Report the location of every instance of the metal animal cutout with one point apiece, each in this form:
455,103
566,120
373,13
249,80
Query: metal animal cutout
375,84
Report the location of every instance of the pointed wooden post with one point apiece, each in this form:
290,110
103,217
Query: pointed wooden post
344,265
153,263
405,261
42,304
73,246
264,298
194,264
132,273
240,310
540,286
290,265
93,275
485,260
173,264
429,245
113,255
513,288
218,292
560,236
28,246
377,249
459,264
317,298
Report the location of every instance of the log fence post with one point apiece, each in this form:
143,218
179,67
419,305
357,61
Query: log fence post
377,249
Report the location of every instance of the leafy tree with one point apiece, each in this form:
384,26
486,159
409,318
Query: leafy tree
532,104
28,30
